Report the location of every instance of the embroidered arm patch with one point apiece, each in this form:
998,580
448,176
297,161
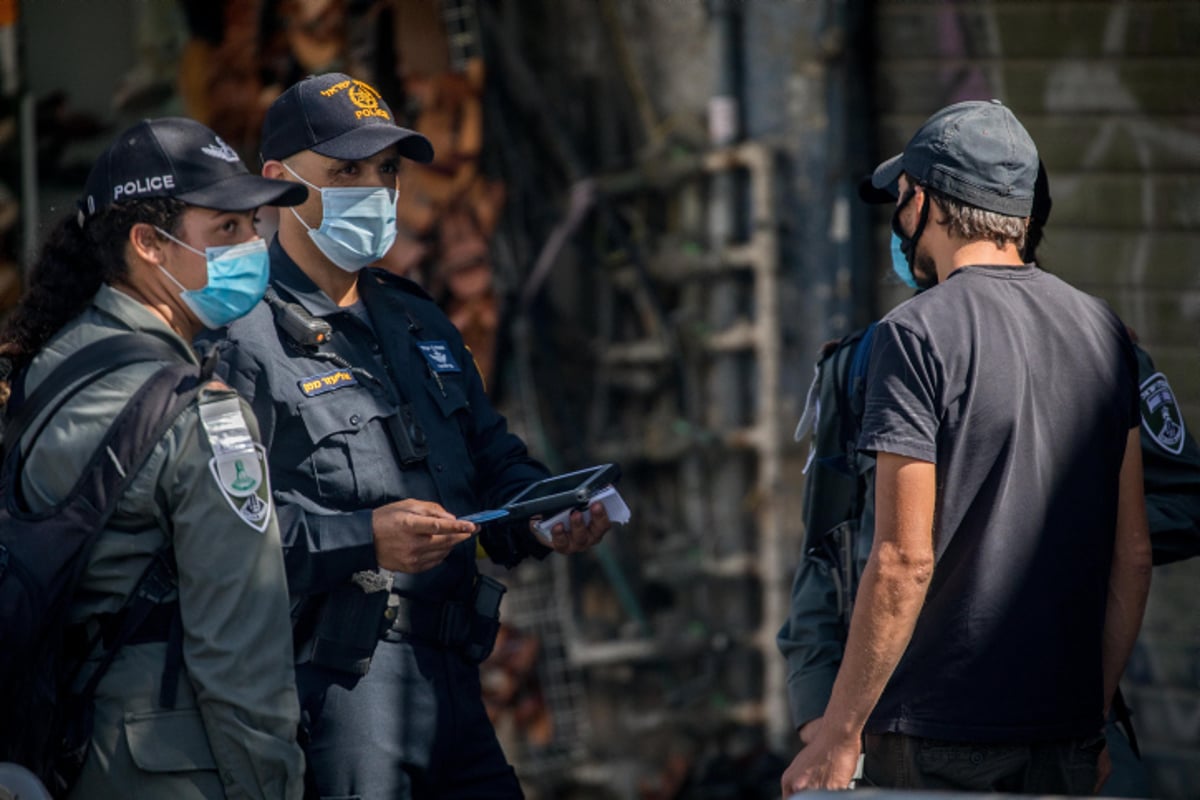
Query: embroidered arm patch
1160,414
239,464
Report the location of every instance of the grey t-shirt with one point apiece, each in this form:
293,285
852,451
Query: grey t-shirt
1022,390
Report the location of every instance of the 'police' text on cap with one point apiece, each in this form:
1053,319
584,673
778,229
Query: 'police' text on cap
180,158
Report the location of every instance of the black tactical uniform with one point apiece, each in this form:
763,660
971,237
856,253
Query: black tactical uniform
391,407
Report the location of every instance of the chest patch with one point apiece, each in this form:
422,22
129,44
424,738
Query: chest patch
1160,414
439,357
326,382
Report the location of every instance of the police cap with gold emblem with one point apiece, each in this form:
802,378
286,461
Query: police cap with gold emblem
180,158
339,117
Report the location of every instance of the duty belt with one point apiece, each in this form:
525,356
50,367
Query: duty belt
469,627
445,623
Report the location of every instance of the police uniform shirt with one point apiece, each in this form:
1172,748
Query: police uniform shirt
337,421
232,730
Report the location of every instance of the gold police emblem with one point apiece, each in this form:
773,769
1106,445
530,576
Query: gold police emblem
367,100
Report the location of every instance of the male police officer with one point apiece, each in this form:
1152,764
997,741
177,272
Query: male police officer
380,435
1006,402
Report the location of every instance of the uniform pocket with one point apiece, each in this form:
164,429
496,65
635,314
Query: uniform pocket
168,741
347,434
347,411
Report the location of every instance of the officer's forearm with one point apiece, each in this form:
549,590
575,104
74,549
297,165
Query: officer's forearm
811,640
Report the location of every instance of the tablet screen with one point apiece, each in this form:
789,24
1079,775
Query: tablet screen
557,485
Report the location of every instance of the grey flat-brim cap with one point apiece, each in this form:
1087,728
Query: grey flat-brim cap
976,151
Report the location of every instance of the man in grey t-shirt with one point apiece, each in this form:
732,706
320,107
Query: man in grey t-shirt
1011,558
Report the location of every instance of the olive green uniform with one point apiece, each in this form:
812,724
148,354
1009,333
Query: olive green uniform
232,730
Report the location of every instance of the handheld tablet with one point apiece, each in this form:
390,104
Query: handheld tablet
554,494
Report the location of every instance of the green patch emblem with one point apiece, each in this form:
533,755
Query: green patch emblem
1160,414
242,477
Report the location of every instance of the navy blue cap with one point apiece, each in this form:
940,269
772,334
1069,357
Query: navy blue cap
975,151
180,158
339,117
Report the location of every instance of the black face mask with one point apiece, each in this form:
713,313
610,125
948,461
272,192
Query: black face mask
908,244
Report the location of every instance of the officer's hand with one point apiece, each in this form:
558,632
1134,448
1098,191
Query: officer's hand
579,537
414,535
809,730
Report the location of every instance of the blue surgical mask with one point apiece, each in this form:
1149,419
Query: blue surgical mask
900,264
237,279
904,247
358,223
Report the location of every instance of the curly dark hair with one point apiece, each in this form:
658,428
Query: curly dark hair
75,259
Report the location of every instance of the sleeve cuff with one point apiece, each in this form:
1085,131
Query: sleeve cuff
808,693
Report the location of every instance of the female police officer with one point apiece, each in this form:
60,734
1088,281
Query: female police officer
163,245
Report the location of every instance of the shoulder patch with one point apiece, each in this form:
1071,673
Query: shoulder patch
475,361
326,382
239,464
1161,417
245,484
439,356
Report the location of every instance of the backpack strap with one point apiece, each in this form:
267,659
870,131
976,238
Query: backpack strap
78,370
852,397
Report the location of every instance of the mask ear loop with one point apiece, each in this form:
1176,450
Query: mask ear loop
296,175
185,246
908,244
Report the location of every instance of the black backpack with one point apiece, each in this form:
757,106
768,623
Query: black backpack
43,724
838,477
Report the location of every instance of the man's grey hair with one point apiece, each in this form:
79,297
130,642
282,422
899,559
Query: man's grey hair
973,223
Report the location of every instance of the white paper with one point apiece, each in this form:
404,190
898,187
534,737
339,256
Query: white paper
614,504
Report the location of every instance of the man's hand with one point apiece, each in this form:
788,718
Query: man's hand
826,763
414,535
580,537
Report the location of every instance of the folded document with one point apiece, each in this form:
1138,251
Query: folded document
618,512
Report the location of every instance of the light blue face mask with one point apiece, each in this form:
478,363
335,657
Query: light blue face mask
237,279
900,264
358,224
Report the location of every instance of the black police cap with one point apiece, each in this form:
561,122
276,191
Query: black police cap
180,158
339,117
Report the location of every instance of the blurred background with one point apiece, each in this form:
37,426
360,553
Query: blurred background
642,216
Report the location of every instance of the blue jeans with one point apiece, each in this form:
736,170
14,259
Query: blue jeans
1065,767
413,727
